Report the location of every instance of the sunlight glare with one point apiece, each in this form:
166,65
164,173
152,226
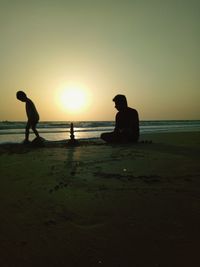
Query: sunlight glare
74,99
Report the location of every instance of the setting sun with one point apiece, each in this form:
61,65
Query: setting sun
73,98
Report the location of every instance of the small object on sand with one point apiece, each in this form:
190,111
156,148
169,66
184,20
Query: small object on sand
72,140
38,142
26,142
72,131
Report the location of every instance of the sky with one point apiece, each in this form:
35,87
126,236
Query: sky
147,50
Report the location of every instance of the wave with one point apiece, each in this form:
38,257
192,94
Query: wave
59,130
17,127
55,131
45,124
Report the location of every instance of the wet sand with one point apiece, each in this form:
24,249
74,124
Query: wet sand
101,205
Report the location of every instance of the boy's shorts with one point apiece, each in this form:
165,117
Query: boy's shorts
32,123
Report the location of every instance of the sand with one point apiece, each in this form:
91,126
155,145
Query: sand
101,205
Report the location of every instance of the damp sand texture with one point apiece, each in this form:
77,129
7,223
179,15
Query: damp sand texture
102,205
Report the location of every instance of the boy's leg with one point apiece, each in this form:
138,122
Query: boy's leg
28,125
33,126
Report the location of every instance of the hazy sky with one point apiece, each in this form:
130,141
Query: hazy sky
145,49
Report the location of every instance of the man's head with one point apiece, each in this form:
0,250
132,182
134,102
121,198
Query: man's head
120,102
21,96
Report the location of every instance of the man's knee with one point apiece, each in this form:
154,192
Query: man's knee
108,137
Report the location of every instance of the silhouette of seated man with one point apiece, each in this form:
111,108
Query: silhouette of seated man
32,115
126,123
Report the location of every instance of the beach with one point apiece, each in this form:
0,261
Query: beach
102,205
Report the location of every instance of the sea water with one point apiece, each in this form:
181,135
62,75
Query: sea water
13,131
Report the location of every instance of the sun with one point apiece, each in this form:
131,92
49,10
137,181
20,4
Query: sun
73,98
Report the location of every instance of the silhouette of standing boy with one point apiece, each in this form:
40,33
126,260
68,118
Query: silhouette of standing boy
126,123
32,115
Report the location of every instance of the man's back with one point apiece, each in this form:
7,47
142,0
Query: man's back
127,121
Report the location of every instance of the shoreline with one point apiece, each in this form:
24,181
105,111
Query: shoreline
102,205
181,138
11,132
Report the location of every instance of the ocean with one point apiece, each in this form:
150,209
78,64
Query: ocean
13,131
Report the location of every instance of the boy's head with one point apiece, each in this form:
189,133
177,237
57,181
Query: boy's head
21,96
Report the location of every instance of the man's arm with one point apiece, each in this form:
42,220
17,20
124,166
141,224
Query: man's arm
117,129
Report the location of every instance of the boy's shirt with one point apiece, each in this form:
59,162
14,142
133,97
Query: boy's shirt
31,111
